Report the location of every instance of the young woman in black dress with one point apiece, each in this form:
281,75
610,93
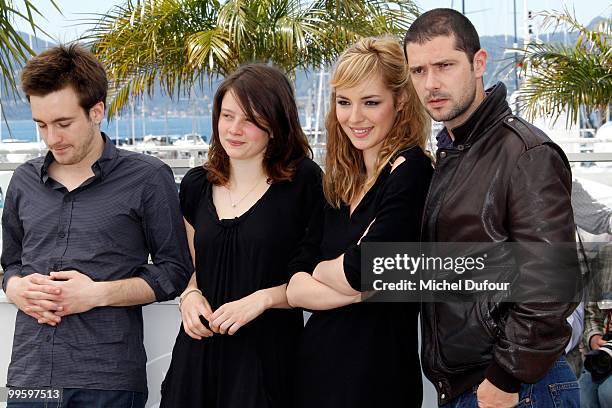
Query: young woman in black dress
246,212
376,178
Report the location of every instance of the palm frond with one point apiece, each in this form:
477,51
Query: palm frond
209,49
175,43
14,50
561,78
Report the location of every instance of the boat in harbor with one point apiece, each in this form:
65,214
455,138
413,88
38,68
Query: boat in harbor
189,143
19,151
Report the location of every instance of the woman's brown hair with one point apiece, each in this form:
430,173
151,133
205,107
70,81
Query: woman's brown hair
267,99
345,173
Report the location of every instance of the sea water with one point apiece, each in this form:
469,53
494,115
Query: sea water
175,127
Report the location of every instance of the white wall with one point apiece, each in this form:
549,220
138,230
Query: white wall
161,324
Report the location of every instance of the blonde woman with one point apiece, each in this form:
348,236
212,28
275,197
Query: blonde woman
376,178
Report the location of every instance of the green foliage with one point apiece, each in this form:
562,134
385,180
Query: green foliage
14,50
561,78
179,43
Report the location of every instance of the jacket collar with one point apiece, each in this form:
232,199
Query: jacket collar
490,111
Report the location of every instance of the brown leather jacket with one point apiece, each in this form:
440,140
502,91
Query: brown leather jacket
503,180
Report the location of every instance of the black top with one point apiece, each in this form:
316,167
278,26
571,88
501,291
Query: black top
106,229
365,354
234,258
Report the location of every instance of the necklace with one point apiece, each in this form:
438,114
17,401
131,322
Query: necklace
234,204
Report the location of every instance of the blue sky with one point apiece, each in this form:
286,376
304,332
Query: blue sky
489,17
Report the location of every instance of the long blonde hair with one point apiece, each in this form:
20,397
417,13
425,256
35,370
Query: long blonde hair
345,173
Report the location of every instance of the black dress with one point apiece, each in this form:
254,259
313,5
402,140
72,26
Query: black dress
366,354
254,368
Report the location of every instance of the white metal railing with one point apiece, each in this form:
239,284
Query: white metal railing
28,148
319,155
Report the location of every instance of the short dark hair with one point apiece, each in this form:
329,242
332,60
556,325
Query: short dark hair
267,99
444,22
62,66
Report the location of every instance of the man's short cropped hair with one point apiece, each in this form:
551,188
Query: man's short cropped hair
62,66
444,22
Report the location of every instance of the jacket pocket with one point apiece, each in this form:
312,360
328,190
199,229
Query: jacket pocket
464,340
487,314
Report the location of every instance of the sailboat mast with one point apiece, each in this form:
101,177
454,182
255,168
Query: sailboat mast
317,131
1,112
515,45
142,114
133,122
35,127
526,24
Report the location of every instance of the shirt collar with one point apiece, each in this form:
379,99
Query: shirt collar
101,167
444,139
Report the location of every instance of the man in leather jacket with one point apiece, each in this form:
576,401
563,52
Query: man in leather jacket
497,179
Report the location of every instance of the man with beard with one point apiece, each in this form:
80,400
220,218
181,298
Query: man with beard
78,228
497,179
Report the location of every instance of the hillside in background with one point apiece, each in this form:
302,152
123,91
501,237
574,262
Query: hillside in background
500,67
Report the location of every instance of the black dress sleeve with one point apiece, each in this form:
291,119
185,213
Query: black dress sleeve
399,210
191,192
312,202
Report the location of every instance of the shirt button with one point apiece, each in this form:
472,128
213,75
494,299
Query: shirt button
61,234
442,155
443,396
460,147
48,338
440,384
67,199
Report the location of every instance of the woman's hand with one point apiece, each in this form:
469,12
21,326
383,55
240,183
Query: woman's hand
231,316
193,306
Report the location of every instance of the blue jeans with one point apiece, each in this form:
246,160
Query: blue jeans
557,389
595,395
84,398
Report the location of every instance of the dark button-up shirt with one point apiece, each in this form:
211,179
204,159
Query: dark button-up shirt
444,140
106,228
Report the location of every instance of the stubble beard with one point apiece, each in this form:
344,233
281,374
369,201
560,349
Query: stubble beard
79,152
456,110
